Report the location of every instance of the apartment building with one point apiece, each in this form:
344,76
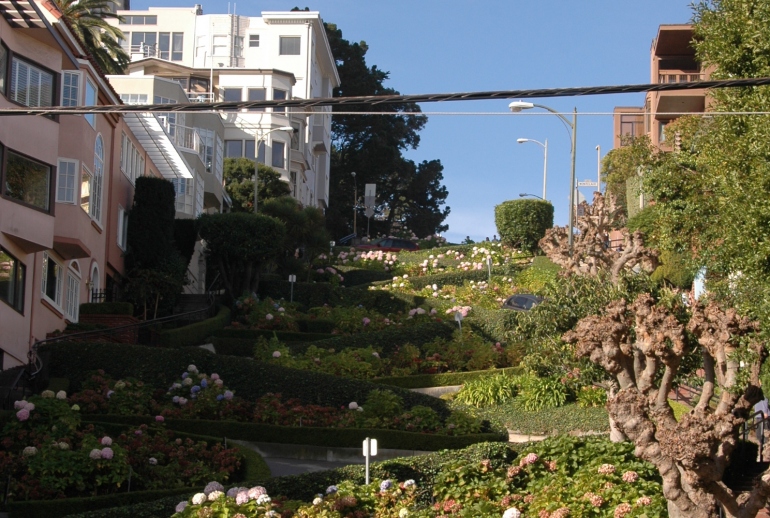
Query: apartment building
672,60
228,57
65,183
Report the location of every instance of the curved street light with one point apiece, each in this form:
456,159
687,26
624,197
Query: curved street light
524,194
516,107
545,157
260,138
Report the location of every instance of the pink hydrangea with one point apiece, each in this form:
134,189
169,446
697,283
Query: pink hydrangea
561,512
630,477
228,395
219,383
366,321
531,458
107,453
269,317
106,441
214,376
213,486
22,414
242,498
622,510
257,491
159,418
606,469
276,354
643,500
95,454
594,499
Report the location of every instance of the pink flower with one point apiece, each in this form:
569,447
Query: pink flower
95,454
22,414
215,376
106,441
268,317
107,453
643,500
366,321
219,383
622,510
531,458
630,477
606,469
159,418
276,354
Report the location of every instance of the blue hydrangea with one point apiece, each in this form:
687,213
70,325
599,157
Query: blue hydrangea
385,485
220,397
204,383
331,490
184,375
195,389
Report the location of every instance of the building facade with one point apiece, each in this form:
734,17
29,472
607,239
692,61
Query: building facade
64,187
228,57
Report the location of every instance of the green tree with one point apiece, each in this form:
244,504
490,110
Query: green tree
628,162
88,19
306,235
522,223
239,183
372,147
240,245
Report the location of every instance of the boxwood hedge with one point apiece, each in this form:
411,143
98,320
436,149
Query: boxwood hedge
107,308
250,380
333,437
196,333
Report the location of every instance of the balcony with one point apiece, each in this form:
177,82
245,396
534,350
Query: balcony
680,101
184,137
320,140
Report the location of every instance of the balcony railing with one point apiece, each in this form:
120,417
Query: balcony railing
679,77
198,97
184,137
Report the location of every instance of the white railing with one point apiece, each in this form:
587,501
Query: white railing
184,137
679,77
198,97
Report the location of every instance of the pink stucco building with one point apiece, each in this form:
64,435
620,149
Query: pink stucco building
66,181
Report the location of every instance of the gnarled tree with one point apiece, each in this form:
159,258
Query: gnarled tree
642,346
591,251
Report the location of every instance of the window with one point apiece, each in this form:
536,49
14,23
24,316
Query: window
184,194
72,307
12,279
30,85
90,101
231,94
199,186
140,20
293,183
289,46
3,67
70,93
279,149
295,135
27,181
170,45
65,180
122,227
85,190
250,151
52,279
233,148
257,94
96,184
220,45
164,45
177,46
279,95
253,40
134,98
238,46
95,283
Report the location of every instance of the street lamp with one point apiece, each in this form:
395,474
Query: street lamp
599,169
523,194
355,202
517,106
545,157
260,138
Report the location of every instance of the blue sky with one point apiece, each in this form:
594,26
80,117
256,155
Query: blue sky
432,46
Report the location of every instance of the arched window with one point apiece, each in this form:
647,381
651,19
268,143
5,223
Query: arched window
72,307
94,296
96,191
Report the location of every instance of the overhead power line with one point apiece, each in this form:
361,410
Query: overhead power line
390,99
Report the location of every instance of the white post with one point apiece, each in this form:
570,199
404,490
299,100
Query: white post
599,168
545,165
292,280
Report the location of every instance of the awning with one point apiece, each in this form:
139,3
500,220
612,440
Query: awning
160,149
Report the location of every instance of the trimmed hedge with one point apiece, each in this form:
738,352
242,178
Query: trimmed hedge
107,308
255,469
315,325
356,277
159,367
160,508
284,336
194,334
307,435
388,339
444,379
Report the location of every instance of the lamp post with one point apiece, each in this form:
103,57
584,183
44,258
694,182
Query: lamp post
599,169
523,194
355,202
517,106
545,158
260,138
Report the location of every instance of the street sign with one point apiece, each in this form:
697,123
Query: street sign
587,183
369,212
370,190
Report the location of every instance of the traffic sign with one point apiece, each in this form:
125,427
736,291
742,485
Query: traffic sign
369,212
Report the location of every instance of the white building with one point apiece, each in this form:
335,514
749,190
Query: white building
228,57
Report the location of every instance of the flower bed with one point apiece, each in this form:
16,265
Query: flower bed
48,454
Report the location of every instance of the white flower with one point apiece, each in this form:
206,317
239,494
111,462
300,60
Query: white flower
199,498
187,382
214,495
353,405
317,501
263,499
61,395
276,354
192,368
512,513
403,513
48,394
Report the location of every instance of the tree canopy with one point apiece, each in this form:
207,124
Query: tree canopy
239,183
372,147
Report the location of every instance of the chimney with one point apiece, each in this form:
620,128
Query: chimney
198,9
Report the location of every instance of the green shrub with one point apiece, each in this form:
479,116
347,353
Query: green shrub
381,406
284,336
591,397
541,393
488,390
194,334
443,379
522,223
248,379
315,325
675,270
107,308
147,508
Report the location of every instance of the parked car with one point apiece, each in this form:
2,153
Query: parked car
522,302
389,244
